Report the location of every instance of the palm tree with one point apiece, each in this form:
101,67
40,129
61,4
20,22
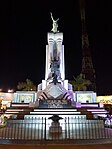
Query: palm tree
26,86
79,83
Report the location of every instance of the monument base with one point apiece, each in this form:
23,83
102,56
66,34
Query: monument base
55,128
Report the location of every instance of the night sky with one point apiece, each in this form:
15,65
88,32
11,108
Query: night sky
23,39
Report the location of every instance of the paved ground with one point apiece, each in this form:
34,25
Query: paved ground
98,141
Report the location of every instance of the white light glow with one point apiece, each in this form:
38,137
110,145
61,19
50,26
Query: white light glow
45,110
96,110
10,91
60,112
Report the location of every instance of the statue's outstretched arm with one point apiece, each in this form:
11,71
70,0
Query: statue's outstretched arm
51,16
57,19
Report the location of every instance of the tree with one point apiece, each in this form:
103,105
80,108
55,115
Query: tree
79,83
26,86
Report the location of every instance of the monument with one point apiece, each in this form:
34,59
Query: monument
55,91
57,112
55,88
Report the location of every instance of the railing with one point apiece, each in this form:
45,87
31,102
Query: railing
39,129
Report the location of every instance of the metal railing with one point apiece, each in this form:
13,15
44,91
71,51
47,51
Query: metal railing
38,128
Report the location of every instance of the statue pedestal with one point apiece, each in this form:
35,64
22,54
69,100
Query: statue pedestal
55,128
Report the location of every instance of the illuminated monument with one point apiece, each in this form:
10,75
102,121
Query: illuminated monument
55,57
55,86
55,91
78,112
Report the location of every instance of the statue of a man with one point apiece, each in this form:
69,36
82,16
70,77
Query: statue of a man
55,24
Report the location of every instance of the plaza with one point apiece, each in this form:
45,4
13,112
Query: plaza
55,113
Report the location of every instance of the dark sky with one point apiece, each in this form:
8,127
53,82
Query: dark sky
23,39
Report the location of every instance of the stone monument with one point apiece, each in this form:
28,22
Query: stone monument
55,86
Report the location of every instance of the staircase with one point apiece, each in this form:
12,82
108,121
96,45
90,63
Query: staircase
22,110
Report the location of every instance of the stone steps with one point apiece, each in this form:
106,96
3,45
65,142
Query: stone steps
22,110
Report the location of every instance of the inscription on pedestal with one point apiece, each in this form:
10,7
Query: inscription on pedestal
54,104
